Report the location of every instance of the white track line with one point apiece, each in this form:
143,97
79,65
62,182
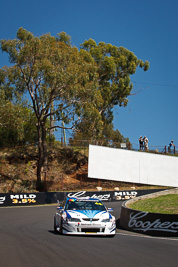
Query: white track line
151,237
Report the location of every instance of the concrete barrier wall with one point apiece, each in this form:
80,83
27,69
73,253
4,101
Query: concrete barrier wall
132,166
154,224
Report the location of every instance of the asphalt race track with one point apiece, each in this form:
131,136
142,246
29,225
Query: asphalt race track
27,240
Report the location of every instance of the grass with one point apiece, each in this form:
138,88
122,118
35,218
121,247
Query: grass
167,204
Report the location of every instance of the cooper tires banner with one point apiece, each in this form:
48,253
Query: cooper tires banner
153,224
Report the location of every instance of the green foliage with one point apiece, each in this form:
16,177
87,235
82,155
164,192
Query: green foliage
114,67
87,83
108,136
51,71
63,37
17,125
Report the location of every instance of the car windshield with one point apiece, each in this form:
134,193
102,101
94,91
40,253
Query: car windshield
84,205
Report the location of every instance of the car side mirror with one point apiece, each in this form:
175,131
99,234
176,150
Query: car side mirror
59,208
110,209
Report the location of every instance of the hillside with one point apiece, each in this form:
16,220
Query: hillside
67,171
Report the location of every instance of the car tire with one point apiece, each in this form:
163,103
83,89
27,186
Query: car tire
55,227
110,236
61,228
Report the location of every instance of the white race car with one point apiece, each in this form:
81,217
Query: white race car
84,216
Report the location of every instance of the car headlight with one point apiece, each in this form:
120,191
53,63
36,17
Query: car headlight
106,220
73,220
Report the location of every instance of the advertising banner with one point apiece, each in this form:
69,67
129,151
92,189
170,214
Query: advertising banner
153,224
31,199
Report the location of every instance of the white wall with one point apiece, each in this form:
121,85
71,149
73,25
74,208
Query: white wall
132,166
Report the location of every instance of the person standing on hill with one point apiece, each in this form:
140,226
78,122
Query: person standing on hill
145,139
141,142
170,146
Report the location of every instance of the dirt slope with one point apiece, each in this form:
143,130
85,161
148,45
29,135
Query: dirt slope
67,171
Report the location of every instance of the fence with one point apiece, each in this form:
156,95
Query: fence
84,144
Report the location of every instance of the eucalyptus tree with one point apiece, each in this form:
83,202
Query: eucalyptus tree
53,74
115,65
70,85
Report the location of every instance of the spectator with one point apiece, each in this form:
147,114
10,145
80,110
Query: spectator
170,146
145,139
141,142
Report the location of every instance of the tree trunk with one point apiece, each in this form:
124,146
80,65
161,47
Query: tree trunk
40,158
51,131
45,153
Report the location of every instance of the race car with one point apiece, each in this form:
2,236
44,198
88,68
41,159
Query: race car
84,216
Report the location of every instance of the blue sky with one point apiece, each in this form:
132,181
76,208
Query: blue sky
147,28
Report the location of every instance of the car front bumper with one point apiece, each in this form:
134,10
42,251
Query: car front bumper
89,229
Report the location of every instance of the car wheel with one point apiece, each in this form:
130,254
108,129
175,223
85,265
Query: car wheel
61,228
55,227
110,236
